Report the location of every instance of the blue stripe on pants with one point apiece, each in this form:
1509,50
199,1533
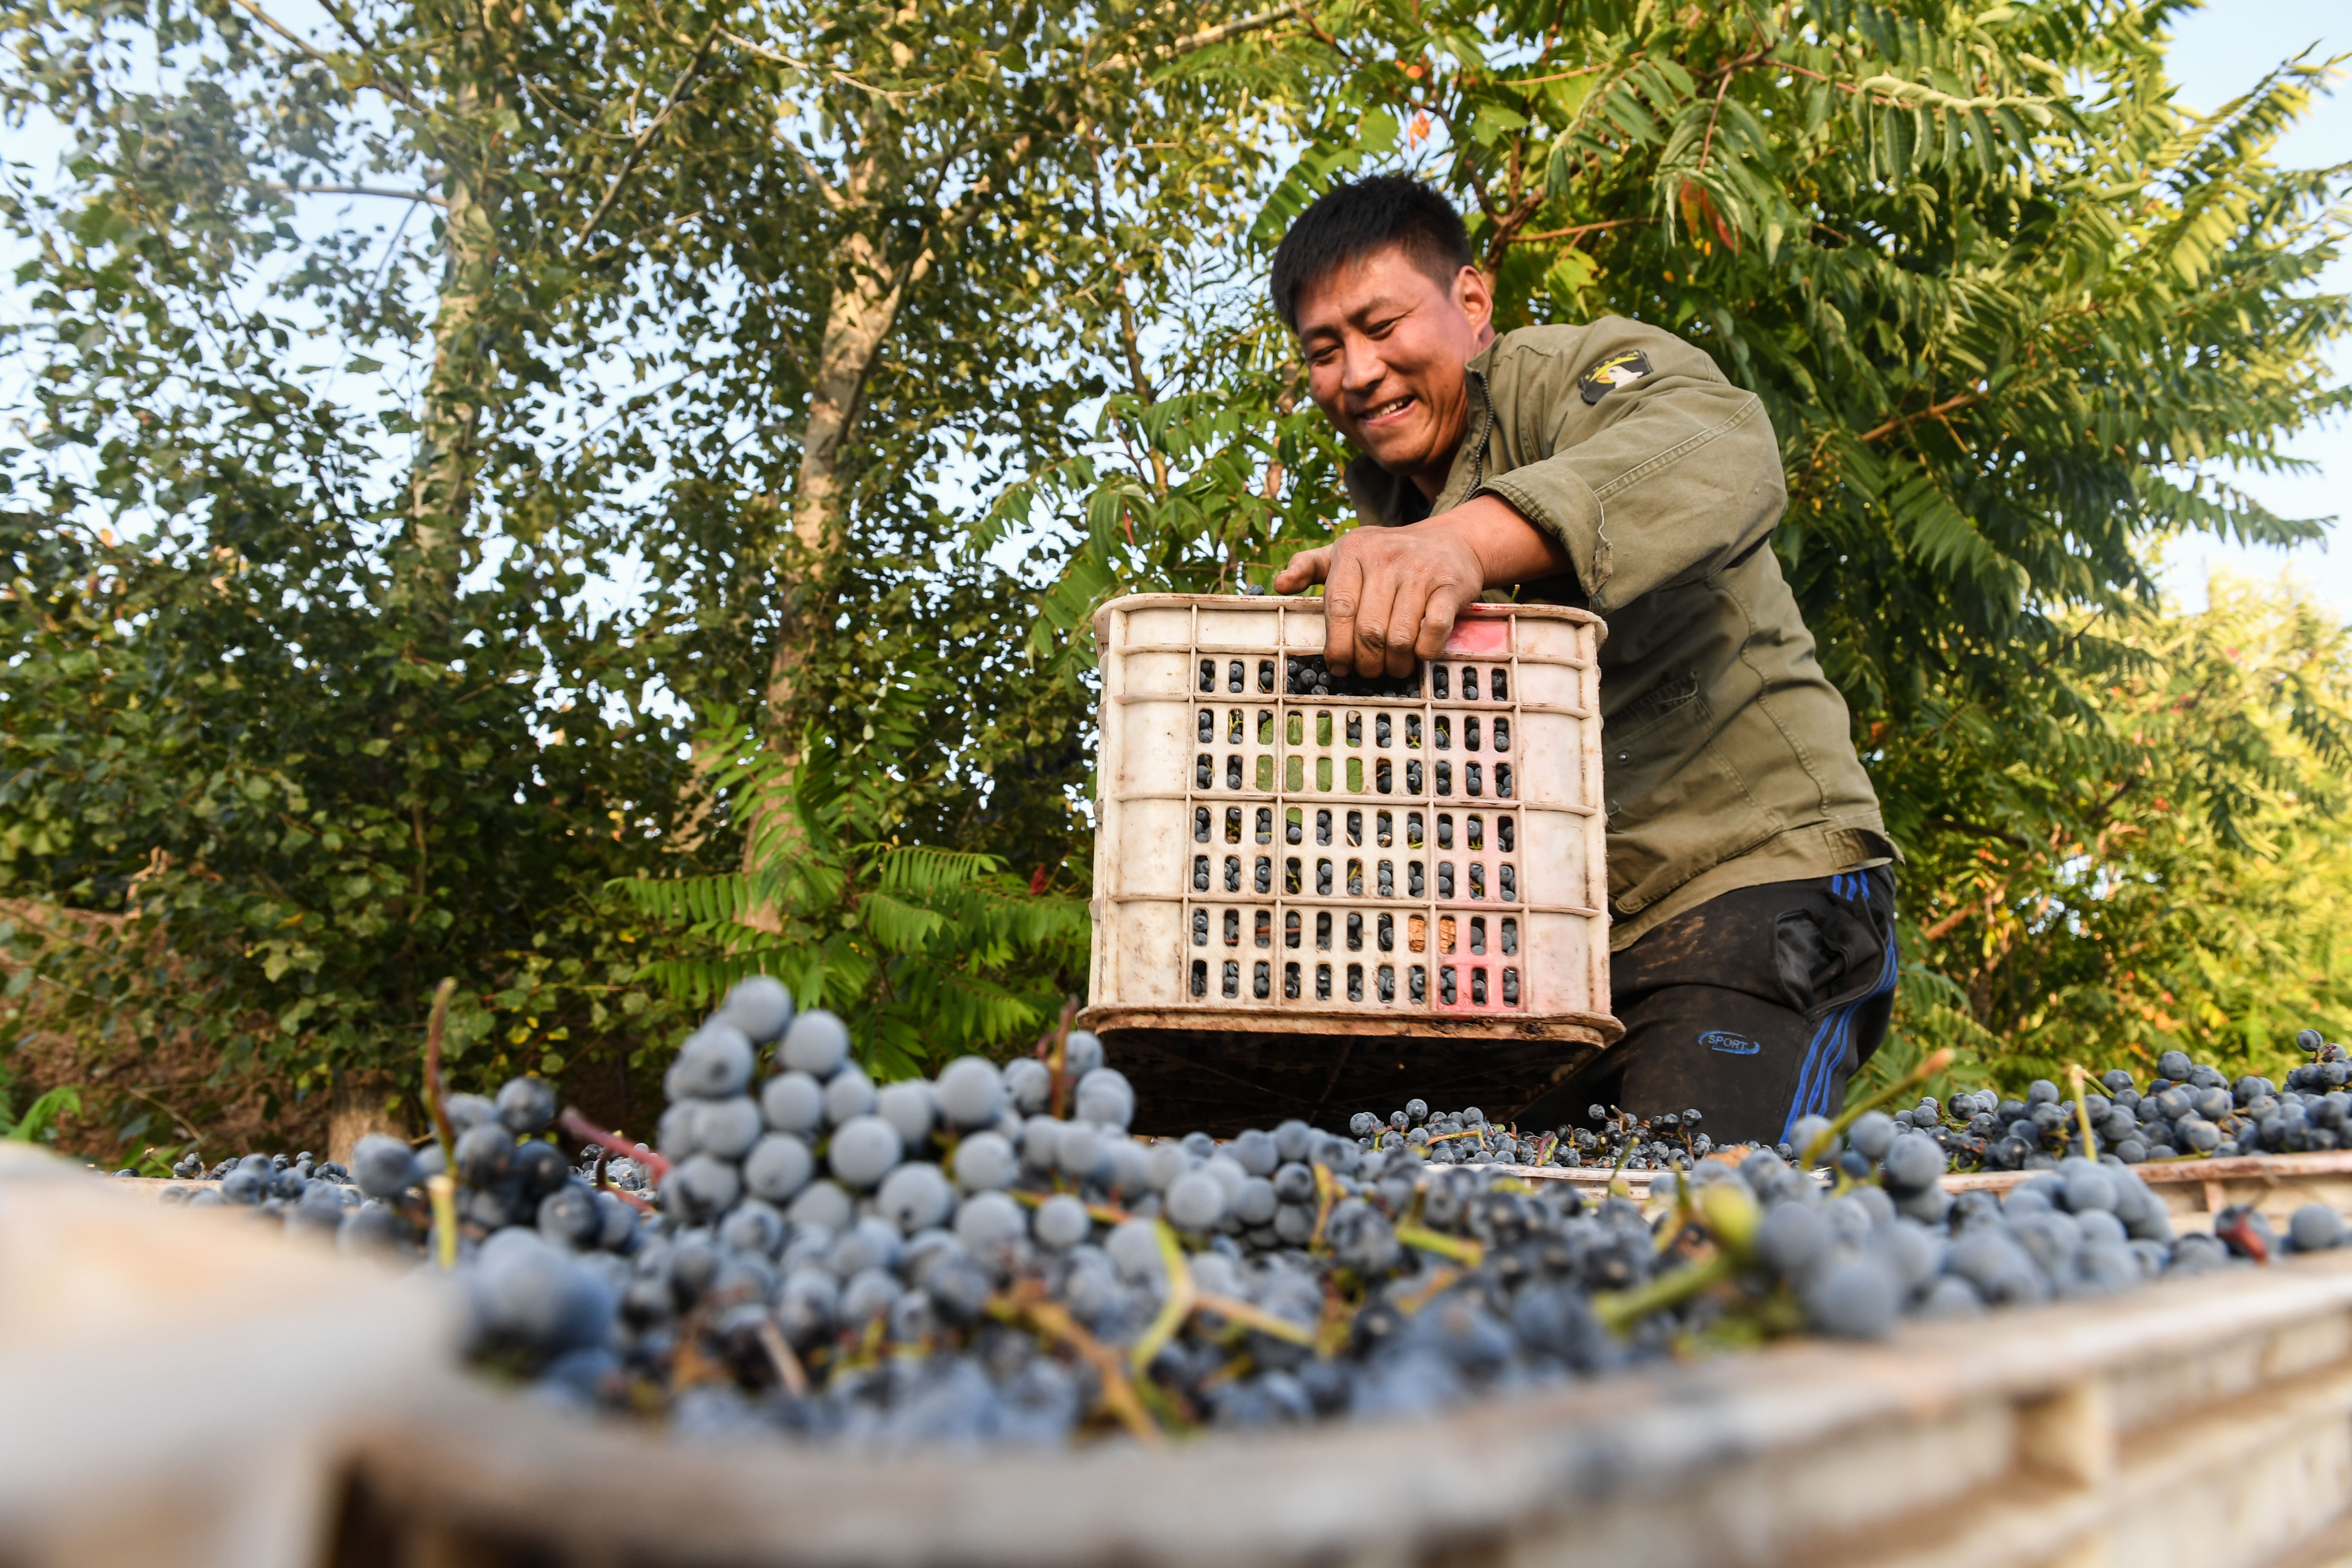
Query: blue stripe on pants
1828,1046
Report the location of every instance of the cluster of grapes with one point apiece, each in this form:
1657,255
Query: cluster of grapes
990,1255
540,1247
1615,1137
1308,676
2188,1109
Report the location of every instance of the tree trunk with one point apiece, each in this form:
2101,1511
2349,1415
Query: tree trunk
865,307
441,485
361,1104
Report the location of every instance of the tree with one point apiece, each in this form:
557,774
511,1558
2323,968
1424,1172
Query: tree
2189,901
2013,314
310,663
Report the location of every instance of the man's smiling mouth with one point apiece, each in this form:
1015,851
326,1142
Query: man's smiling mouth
1386,410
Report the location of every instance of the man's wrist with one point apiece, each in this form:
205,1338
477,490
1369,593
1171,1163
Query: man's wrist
1509,547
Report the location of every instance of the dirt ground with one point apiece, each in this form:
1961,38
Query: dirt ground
177,1085
171,1082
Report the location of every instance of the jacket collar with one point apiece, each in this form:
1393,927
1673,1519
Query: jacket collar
1390,500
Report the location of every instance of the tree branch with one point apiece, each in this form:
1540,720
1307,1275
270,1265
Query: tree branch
645,138
1933,411
311,54
347,191
1208,37
1581,229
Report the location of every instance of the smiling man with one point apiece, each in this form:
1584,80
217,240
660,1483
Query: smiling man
1611,467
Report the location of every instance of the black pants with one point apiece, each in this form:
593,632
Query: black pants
1754,1009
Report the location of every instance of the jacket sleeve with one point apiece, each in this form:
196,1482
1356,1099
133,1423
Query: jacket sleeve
1659,482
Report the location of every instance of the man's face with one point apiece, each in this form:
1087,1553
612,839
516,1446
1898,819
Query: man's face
1385,345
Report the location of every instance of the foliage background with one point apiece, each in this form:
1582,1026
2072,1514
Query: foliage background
594,501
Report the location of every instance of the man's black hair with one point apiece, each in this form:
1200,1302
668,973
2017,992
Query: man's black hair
1349,223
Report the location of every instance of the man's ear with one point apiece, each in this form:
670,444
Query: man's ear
1474,294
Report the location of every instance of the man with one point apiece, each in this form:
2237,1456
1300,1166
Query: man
1611,466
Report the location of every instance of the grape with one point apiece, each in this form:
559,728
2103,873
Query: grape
1809,1130
1791,1239
760,1007
1873,1133
1133,1248
792,1103
1255,1152
384,1167
1061,1222
569,1216
466,1111
910,1107
727,1127
1105,1098
849,1095
1196,1201
1081,1054
1914,1161
972,1092
778,1166
754,1226
817,1043
916,1196
703,1187
527,1293
484,1153
985,1161
2316,1227
674,1135
870,1243
1028,1085
714,1063
1041,1139
863,1150
821,1203
989,1220
372,1227
526,1105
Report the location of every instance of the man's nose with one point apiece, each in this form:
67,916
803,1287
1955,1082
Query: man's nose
1361,366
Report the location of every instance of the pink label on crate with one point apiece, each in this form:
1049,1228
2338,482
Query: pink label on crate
1479,634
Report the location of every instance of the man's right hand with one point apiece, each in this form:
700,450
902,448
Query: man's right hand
1390,595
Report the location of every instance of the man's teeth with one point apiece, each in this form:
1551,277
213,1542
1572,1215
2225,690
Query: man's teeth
1386,408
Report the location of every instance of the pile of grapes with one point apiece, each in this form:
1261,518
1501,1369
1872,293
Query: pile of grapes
990,1255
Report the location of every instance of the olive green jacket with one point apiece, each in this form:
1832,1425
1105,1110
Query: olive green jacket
1728,756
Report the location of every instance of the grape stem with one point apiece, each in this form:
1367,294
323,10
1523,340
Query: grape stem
434,1100
441,1188
1930,1068
2082,1110
1057,1054
1620,1310
1052,1320
1616,1189
1250,1317
788,1370
1462,1250
1181,1294
1327,1194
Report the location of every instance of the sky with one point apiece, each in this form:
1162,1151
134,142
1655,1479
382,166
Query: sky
2217,54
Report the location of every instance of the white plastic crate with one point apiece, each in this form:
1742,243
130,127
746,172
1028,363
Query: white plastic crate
1268,861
